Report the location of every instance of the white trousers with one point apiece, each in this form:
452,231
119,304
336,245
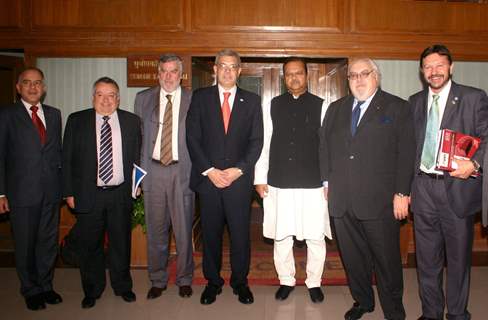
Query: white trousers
285,262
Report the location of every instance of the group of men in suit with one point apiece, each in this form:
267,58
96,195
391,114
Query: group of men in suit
373,156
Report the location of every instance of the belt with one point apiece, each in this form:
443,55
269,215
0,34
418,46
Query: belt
107,188
432,175
169,164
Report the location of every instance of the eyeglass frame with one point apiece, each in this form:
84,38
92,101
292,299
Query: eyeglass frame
359,76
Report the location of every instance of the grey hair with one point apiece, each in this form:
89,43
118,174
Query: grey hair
168,57
371,63
106,80
227,53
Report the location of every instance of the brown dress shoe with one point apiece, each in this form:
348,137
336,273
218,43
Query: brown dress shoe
185,291
155,292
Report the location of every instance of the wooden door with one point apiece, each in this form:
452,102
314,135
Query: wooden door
10,67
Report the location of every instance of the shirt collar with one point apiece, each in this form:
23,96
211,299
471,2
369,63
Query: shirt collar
444,93
232,91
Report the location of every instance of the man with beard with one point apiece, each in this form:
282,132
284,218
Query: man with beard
366,157
444,203
287,177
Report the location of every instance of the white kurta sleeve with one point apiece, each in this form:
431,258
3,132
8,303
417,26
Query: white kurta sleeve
262,165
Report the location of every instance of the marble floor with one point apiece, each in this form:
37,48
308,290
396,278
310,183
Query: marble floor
170,306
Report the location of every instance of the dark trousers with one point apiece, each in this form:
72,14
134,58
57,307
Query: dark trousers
229,206
368,246
441,236
35,233
112,213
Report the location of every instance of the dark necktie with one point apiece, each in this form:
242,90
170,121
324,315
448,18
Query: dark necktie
105,163
38,124
356,112
226,111
166,156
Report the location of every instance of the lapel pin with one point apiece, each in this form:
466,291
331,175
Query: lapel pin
241,100
455,100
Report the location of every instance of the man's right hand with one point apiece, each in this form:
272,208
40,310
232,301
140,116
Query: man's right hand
218,178
71,202
4,208
262,190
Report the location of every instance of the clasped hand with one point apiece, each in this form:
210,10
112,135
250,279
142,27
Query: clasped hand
224,178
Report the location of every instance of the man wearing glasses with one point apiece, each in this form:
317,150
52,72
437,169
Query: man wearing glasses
225,136
30,186
367,155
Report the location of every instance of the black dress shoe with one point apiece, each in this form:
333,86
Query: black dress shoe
35,302
185,291
425,318
128,296
283,292
210,294
52,297
88,302
356,312
244,294
316,294
155,292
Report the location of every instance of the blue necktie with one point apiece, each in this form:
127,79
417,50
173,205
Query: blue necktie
356,112
105,163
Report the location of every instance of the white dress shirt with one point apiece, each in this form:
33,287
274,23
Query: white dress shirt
40,111
175,100
117,156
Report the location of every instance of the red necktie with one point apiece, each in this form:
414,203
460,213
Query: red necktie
226,111
38,124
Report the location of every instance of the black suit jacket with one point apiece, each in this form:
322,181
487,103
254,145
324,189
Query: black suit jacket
29,171
208,144
365,171
80,160
467,112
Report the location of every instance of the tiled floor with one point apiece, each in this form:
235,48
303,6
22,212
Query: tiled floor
170,306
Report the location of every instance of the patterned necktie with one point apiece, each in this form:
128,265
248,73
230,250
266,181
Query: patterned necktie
226,111
105,163
38,124
356,112
430,142
166,155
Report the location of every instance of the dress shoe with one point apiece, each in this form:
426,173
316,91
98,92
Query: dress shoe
425,318
356,312
185,291
283,292
88,302
210,294
316,294
155,292
244,294
35,302
128,296
52,297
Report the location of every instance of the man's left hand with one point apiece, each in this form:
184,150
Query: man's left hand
400,206
232,174
464,170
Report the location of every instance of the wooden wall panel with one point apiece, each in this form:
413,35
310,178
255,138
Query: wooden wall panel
10,14
427,17
270,15
96,14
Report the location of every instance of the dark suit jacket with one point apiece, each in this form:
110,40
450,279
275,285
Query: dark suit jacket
467,112
29,170
484,215
208,144
365,171
147,108
80,155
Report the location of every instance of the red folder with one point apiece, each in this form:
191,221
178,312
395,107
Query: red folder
455,145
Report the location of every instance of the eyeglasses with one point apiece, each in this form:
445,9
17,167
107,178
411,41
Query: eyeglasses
228,67
362,75
29,83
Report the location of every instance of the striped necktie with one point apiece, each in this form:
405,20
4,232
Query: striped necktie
166,156
105,163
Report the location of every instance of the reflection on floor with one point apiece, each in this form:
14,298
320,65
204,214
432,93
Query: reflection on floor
171,307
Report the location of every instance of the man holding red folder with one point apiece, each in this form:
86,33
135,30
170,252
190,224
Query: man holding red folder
444,203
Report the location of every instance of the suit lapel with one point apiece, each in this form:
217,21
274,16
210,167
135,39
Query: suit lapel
375,106
49,117
451,104
91,136
217,110
23,116
237,110
155,110
123,134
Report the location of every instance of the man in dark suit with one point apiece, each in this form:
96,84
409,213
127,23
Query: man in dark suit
30,186
444,203
99,149
225,137
168,200
367,154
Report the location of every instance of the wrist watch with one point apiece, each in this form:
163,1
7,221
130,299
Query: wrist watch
475,164
401,195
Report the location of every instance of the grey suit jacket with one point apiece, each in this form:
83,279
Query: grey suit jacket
147,107
467,112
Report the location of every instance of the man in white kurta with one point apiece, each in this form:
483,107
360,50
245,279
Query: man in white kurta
287,177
